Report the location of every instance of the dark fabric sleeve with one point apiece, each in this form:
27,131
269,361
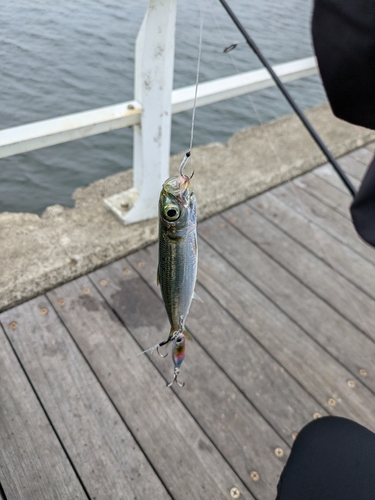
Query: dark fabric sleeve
344,41
363,208
332,459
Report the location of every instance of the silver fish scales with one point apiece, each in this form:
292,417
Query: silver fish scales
178,249
178,259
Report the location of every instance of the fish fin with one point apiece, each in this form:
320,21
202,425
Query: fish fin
157,277
196,297
188,335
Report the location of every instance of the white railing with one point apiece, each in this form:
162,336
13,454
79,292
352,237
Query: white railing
149,114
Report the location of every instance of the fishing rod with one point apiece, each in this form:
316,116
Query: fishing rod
291,101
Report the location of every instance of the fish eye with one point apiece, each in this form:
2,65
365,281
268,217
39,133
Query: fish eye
171,212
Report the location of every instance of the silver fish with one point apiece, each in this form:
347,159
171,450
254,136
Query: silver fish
178,249
178,259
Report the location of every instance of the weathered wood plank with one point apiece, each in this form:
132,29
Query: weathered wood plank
210,396
353,167
328,174
33,464
345,261
324,217
276,395
371,147
185,459
322,263
363,155
354,164
332,385
347,344
327,194
105,454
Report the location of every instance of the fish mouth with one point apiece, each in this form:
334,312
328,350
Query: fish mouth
179,187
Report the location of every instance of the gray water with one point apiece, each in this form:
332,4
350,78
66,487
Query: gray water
60,57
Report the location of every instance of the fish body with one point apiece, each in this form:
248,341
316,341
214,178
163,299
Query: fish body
178,249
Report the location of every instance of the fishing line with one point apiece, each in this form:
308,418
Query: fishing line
188,154
289,98
231,47
202,10
339,277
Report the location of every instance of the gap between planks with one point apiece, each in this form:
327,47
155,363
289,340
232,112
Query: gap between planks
82,416
208,394
249,369
318,372
267,222
26,432
153,413
340,338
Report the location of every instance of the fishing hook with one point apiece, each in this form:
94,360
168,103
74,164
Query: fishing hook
175,375
183,163
161,355
165,342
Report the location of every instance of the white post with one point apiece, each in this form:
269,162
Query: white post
154,63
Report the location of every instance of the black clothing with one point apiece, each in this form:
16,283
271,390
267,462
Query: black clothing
332,459
344,40
363,207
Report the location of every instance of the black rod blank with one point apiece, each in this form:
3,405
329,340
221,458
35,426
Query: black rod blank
291,101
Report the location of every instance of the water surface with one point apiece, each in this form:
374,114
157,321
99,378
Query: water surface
67,56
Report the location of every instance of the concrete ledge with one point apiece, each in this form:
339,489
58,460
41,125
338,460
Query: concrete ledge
40,253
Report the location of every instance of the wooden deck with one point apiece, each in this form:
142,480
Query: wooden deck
285,334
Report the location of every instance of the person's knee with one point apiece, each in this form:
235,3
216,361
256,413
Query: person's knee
326,430
331,458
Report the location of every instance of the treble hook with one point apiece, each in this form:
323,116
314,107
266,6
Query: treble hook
161,355
165,342
175,375
156,346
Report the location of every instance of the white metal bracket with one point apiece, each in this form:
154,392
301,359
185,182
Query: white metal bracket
154,64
